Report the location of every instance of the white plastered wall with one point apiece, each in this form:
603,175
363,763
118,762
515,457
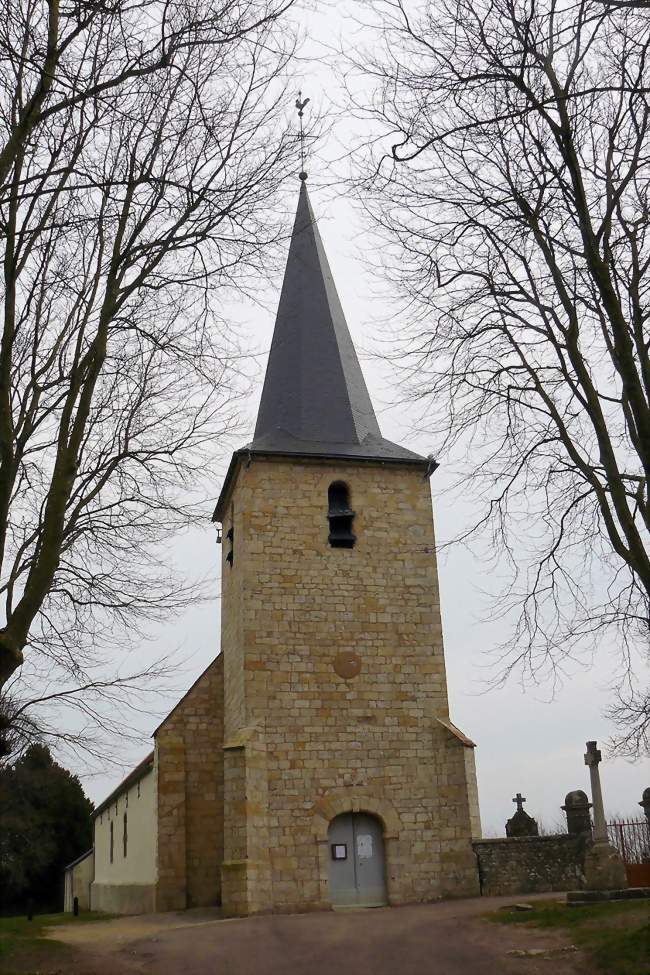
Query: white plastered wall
116,883
77,884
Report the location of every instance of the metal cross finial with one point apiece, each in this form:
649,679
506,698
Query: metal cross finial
300,105
519,799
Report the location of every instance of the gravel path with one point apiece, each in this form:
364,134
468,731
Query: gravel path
449,938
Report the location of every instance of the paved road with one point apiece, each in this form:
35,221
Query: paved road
451,938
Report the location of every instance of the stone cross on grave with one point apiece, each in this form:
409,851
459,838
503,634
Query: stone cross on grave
593,758
520,800
603,866
521,824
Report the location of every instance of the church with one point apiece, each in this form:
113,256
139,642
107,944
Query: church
314,763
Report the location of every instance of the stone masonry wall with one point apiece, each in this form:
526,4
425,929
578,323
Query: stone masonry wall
530,864
302,742
189,762
246,871
472,792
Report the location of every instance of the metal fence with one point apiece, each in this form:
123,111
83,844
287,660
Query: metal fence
632,840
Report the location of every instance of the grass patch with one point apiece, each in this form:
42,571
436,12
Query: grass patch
24,947
615,935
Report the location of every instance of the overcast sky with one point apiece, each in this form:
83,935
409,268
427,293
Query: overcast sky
530,740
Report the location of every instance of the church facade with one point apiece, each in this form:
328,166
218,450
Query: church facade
314,763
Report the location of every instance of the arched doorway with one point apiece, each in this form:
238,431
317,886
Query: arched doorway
357,869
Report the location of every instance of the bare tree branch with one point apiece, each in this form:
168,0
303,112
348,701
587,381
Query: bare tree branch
142,148
510,191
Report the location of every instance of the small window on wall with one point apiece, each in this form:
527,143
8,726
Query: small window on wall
111,848
124,836
230,538
340,516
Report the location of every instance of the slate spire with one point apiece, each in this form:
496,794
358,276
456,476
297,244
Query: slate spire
315,400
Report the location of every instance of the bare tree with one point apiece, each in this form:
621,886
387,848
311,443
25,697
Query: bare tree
96,723
509,179
142,145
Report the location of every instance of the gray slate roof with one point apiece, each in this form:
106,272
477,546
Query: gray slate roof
315,402
315,399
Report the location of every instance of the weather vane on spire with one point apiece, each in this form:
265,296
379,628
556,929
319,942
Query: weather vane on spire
300,105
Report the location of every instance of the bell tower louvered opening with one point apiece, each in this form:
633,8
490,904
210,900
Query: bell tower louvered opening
340,516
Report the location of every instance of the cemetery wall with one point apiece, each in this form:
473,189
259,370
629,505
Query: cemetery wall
530,864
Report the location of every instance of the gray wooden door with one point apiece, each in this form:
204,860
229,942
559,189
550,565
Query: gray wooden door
357,871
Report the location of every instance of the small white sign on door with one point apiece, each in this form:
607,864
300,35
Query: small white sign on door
364,846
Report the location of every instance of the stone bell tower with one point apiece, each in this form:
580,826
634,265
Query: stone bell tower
345,781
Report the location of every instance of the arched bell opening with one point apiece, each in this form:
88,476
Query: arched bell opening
357,862
340,516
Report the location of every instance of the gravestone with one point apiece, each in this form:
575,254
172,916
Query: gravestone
645,804
604,868
521,824
577,810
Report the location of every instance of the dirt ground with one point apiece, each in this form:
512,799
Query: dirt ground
450,938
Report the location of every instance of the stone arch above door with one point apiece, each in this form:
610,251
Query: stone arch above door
353,800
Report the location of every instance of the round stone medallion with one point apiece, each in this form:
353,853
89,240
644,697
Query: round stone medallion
347,664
